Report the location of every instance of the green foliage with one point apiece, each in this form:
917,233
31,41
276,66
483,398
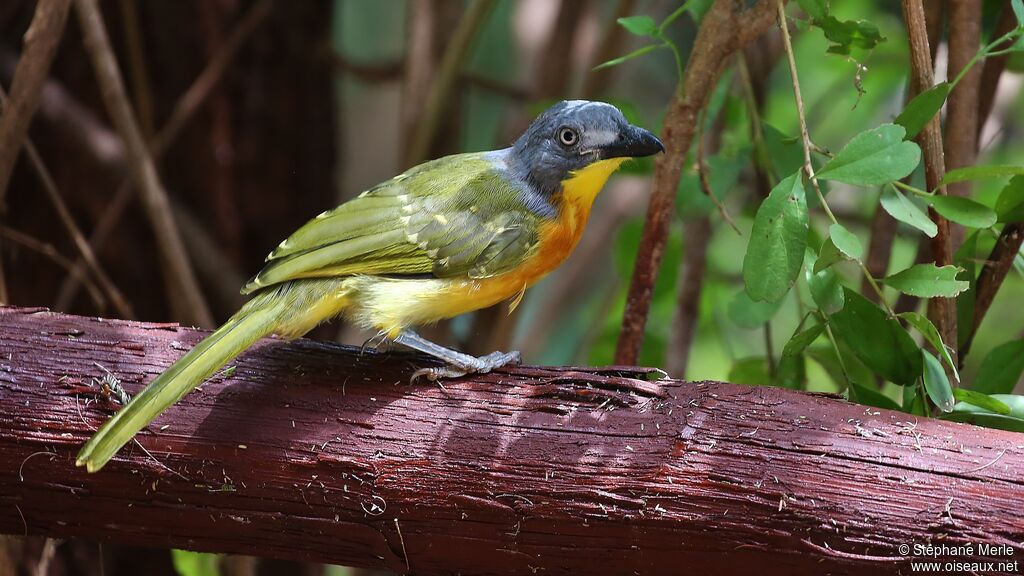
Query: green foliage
801,340
845,35
980,172
963,211
936,383
1001,369
923,108
931,334
825,320
928,281
877,339
188,563
777,242
903,209
874,157
1010,205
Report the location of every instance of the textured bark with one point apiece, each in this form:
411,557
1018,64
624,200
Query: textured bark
941,311
311,451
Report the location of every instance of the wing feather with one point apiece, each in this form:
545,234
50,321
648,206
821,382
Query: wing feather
458,216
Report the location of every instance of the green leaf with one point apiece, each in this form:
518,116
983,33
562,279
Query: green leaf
877,340
786,156
828,256
188,563
963,211
928,281
1018,10
630,56
936,383
801,340
966,412
870,397
981,401
1001,369
848,34
1010,204
979,172
923,108
874,157
777,241
846,242
753,371
642,25
826,290
903,209
931,334
746,313
790,372
914,403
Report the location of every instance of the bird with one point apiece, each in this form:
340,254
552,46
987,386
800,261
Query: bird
446,237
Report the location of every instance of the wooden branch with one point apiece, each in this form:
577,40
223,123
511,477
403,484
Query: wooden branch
941,311
179,278
961,136
41,42
310,451
723,31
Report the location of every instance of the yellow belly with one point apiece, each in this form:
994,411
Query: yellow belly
394,304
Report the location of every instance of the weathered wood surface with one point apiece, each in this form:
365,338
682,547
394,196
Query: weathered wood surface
311,451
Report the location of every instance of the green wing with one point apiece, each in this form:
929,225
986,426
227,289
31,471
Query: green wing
456,216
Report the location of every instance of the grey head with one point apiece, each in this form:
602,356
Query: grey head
572,135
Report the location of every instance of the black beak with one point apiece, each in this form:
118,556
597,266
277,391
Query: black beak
633,142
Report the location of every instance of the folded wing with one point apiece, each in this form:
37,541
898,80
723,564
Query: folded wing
456,216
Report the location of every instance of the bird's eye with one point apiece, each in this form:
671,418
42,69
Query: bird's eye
567,136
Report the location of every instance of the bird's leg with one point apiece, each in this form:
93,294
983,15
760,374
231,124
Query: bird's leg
457,363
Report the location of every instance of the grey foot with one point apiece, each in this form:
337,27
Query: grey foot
468,365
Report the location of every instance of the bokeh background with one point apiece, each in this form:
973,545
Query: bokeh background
318,100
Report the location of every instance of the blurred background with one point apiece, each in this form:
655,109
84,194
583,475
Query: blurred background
262,114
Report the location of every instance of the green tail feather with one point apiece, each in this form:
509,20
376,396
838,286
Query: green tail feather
256,319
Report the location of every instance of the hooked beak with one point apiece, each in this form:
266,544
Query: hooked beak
633,142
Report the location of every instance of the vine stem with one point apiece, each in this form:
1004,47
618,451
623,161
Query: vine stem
808,146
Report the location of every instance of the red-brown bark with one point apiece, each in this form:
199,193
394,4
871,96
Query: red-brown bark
308,450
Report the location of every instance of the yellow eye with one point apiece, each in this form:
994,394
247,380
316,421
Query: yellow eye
567,136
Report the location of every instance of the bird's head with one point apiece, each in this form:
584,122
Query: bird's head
574,134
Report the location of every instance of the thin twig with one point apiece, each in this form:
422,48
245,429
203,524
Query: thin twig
117,299
50,252
808,145
182,287
993,272
941,311
442,86
184,111
41,42
723,31
137,69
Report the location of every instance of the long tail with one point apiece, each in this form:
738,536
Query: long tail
270,311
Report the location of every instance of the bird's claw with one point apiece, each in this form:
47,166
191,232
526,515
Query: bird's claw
482,365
